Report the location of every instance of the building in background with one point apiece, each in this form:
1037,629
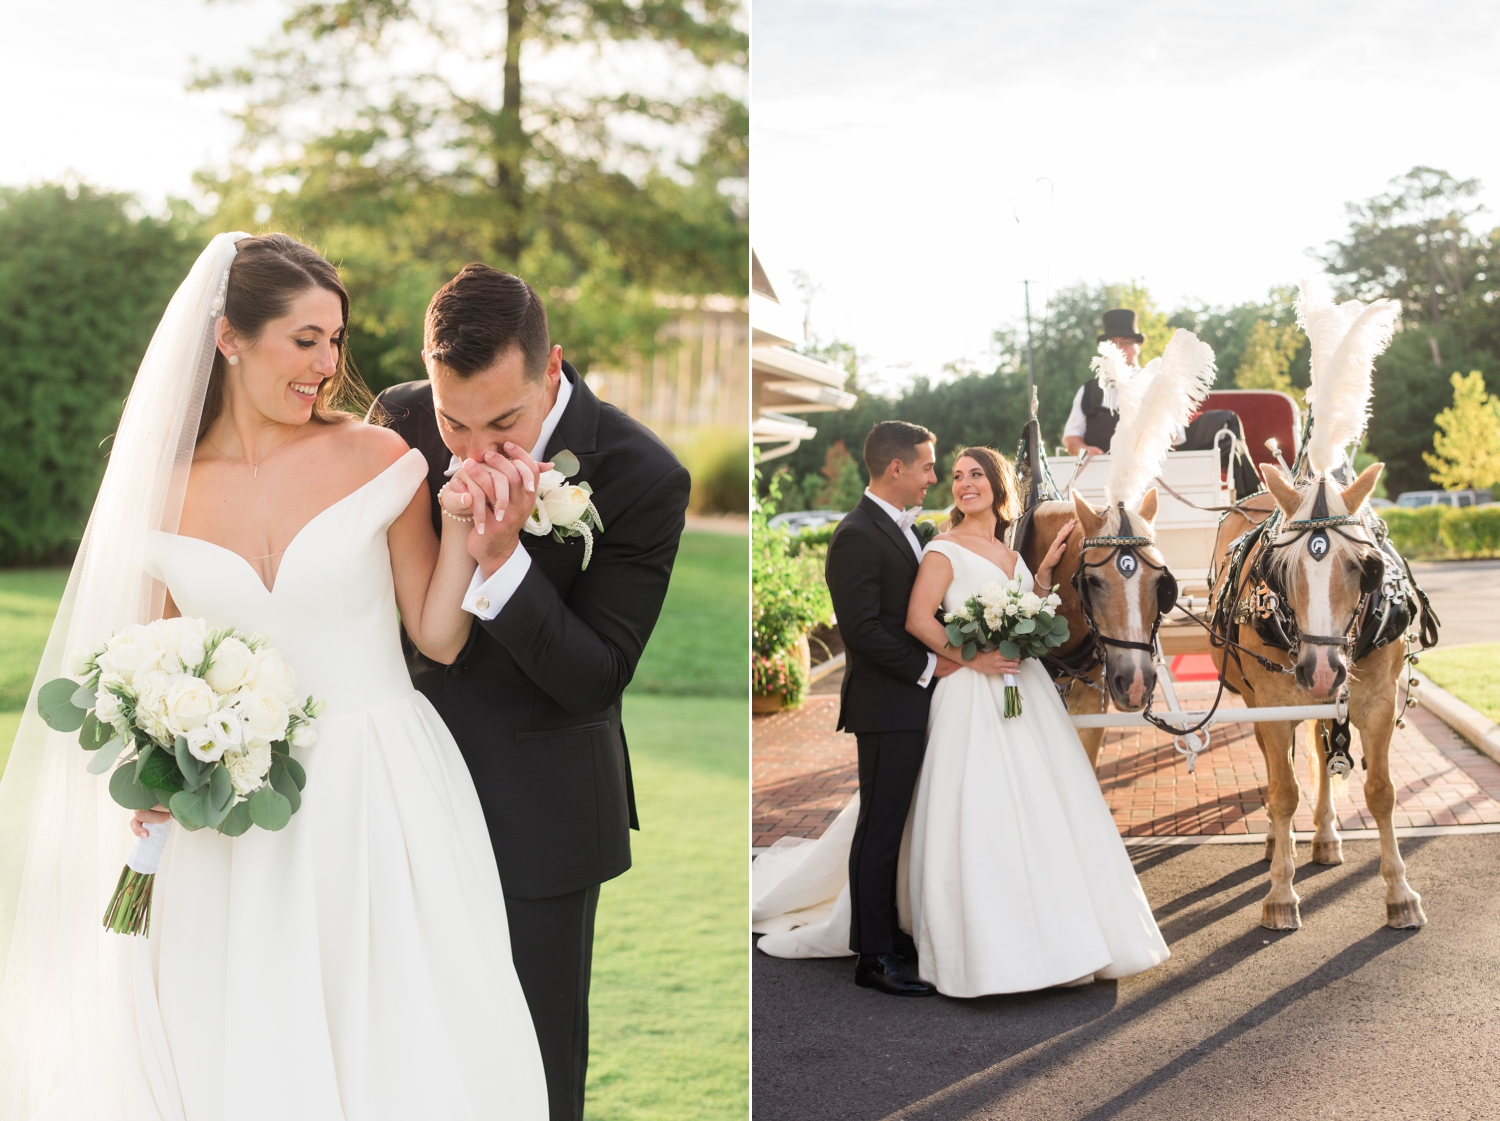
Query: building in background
784,383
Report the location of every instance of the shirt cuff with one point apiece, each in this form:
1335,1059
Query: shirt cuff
931,665
486,598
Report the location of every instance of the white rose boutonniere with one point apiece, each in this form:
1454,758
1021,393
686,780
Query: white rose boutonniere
565,509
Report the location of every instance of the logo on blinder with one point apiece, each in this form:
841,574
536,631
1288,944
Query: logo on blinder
1127,564
1317,545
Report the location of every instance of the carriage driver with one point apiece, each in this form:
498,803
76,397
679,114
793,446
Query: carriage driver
1091,424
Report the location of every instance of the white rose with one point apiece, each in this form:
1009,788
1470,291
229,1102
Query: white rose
188,703
1010,609
1030,603
550,481
171,634
106,707
124,653
232,667
566,505
272,675
265,715
203,746
303,735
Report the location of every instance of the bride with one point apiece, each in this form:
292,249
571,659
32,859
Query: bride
1016,878
356,964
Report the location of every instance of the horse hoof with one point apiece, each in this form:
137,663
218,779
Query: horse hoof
1280,916
1328,852
1405,916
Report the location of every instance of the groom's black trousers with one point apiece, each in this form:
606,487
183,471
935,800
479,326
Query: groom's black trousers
889,763
552,944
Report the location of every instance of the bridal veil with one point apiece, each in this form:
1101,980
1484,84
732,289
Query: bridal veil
63,840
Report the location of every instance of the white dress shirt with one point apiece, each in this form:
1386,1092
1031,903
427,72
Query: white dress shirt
486,598
901,518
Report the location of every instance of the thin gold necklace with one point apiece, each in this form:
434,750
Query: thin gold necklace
255,474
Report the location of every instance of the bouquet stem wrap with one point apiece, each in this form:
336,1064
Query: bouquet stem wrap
1012,695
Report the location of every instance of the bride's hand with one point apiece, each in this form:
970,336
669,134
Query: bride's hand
140,817
993,662
1059,546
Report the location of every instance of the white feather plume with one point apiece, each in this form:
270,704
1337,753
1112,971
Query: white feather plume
1345,340
1154,403
1112,371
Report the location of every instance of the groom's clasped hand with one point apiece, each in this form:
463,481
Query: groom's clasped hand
498,493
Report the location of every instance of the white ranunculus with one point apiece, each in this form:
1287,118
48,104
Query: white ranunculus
203,746
272,675
265,715
233,666
550,481
106,706
303,735
188,703
566,505
124,653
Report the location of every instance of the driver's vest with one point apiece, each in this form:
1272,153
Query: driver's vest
1100,421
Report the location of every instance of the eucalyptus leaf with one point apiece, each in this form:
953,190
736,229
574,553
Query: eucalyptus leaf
299,776
969,650
1024,626
221,792
84,697
193,775
1009,649
105,759
955,636
269,809
282,783
158,770
237,821
566,462
94,734
54,701
140,761
187,808
125,790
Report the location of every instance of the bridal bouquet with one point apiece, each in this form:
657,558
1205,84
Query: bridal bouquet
201,721
1019,624
564,509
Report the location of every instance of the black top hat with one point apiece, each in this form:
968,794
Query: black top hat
1120,324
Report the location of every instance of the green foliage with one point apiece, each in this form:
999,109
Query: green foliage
788,594
1269,352
702,640
83,281
843,480
1467,440
28,601
365,133
718,459
1445,533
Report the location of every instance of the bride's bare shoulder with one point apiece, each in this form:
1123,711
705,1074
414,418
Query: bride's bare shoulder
369,448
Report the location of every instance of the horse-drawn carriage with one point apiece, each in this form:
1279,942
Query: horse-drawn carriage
1288,590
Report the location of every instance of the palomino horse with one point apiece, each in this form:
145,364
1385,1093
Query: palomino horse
1114,587
1311,582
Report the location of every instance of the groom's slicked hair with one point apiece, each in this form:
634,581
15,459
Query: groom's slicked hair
893,439
479,315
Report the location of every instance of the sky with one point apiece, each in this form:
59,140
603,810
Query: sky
918,159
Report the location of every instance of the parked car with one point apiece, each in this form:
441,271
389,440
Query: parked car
1381,503
795,521
1416,499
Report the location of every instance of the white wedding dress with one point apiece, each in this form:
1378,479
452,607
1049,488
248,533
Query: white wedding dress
355,965
1013,875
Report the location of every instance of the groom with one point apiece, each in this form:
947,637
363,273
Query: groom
534,698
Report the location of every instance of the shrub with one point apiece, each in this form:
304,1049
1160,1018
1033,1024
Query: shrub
1443,533
718,459
789,598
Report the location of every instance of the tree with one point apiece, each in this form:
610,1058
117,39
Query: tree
844,482
83,281
1467,441
404,138
1267,358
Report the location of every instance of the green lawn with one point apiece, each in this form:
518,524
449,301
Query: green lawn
28,600
701,645
670,1001
1470,673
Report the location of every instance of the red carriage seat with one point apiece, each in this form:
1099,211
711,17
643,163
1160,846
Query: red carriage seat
1264,413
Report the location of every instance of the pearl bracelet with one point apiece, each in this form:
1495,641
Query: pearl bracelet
466,520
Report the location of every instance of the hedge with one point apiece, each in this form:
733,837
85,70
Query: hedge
1445,533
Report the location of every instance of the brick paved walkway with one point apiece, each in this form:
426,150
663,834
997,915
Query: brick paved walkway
804,773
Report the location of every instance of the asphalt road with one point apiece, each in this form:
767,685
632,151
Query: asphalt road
1466,597
1344,1018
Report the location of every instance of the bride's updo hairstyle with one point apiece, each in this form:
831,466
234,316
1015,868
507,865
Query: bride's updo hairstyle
1002,477
268,273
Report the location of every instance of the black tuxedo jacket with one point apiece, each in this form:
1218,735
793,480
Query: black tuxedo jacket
534,698
870,572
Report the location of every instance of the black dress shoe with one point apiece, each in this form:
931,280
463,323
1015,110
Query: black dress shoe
890,974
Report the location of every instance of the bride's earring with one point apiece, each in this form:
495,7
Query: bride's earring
234,359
